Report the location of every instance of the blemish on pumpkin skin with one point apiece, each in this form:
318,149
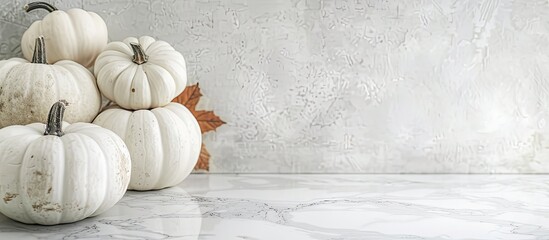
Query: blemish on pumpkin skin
46,207
133,89
38,173
17,95
9,197
49,190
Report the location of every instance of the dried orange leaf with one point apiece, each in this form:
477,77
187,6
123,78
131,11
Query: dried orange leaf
207,120
203,160
189,97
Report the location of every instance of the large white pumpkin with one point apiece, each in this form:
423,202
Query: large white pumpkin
51,175
164,143
76,34
140,73
28,89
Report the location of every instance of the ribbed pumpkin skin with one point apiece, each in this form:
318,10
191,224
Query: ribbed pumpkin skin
141,86
75,34
28,90
164,143
51,180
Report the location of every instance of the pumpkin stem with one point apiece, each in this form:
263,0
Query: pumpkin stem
139,56
39,5
39,55
54,126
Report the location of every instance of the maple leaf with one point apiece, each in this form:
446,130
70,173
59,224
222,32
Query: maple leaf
189,97
203,160
207,120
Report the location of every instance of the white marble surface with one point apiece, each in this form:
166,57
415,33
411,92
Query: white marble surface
320,207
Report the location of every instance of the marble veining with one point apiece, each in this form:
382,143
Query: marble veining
352,86
227,206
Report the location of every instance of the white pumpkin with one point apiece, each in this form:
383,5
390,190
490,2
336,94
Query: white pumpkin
51,175
76,34
164,143
140,73
28,89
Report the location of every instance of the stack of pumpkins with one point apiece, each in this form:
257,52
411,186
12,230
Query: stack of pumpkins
69,169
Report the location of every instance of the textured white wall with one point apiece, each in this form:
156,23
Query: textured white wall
353,86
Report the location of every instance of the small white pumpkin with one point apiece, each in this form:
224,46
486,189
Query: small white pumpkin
76,34
140,73
28,89
164,143
51,174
